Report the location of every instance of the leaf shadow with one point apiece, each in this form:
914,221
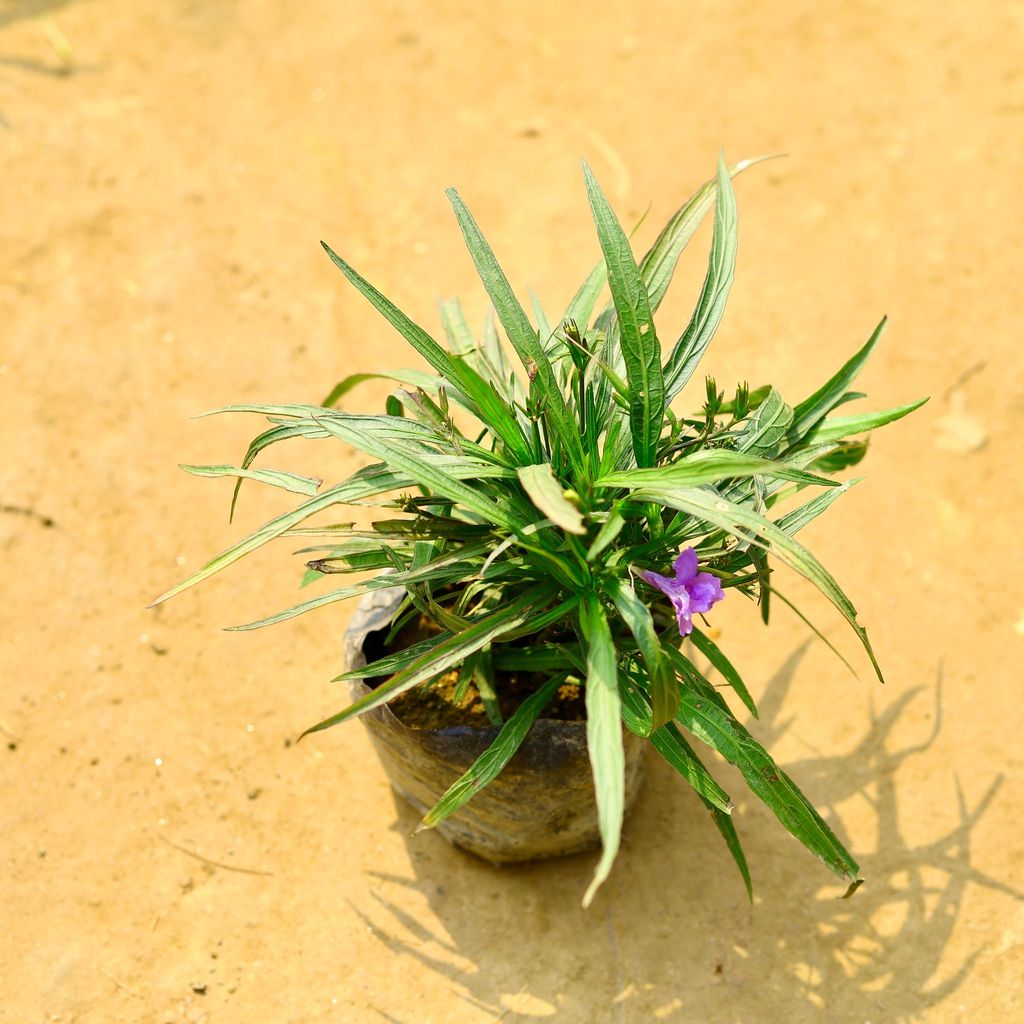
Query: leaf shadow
675,938
13,11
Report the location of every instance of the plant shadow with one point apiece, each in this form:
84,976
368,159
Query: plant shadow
12,11
673,938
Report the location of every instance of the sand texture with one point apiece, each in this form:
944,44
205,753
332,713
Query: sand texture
168,854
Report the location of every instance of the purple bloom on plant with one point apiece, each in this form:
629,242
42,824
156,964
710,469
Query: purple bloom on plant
690,592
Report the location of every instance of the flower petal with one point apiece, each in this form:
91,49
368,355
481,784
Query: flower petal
704,591
682,605
685,565
663,583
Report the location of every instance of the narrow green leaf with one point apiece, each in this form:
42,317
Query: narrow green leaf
724,824
280,432
581,307
457,330
794,521
275,477
673,747
446,569
444,655
713,653
414,464
487,405
610,529
843,455
483,676
495,357
743,523
710,466
814,629
694,341
538,659
664,689
767,428
493,760
840,427
396,662
547,494
413,333
365,484
414,378
604,736
520,332
719,730
543,324
641,351
764,589
811,410
659,263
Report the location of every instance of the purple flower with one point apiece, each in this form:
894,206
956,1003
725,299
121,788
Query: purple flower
690,592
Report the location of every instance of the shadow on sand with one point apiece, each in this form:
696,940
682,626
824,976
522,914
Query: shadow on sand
12,11
676,938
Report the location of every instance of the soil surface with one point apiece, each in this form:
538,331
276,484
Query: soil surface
169,853
444,703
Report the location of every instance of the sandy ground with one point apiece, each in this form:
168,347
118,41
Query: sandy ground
165,185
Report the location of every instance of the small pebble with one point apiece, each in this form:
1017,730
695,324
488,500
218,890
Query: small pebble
199,987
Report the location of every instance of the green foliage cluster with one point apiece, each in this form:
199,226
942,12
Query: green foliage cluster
521,501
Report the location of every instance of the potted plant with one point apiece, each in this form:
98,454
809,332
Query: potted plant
553,535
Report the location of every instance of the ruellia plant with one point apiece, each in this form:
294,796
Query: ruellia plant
547,509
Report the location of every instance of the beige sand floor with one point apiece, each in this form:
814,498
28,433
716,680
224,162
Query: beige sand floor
165,184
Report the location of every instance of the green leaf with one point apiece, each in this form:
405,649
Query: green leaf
664,689
842,456
813,628
275,477
547,658
543,325
641,351
830,394
414,378
364,484
491,762
494,357
673,747
725,825
610,529
547,494
719,730
446,569
447,653
395,662
460,337
711,651
839,427
581,307
414,464
487,404
520,332
413,333
659,263
743,523
604,736
694,341
710,466
280,432
767,428
796,520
